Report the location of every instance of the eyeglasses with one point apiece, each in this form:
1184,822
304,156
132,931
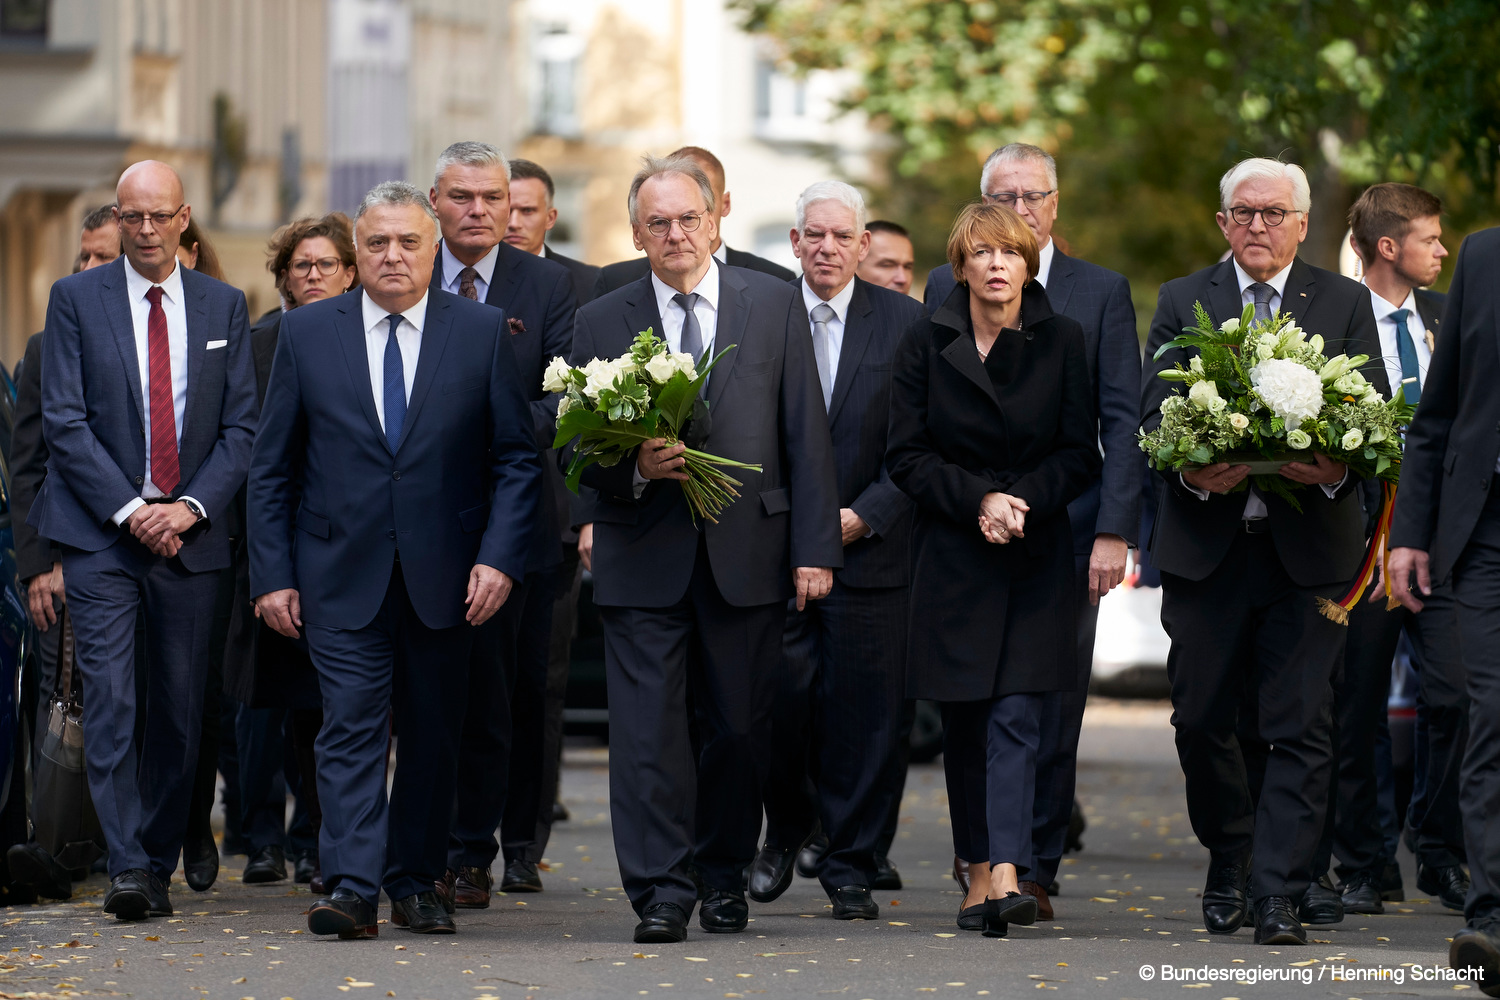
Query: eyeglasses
133,220
1033,199
326,266
1244,215
661,227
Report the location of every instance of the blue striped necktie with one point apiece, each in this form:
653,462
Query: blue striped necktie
395,385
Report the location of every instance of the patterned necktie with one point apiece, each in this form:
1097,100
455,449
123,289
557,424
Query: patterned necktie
1411,375
466,283
165,472
395,385
1262,292
823,350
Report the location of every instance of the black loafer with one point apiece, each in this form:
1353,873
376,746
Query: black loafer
344,914
970,918
771,872
521,876
1448,884
1361,893
723,912
1321,903
1392,887
129,895
266,864
305,868
200,864
1224,905
662,923
1473,948
853,902
421,913
887,878
1012,908
30,865
1276,922
810,858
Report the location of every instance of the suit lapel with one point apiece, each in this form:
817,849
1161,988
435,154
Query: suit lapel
1297,295
503,279
351,334
1224,298
116,298
733,317
640,314
857,334
1060,281
195,307
435,330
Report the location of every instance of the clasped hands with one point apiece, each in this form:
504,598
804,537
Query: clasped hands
1002,517
159,526
488,590
1221,477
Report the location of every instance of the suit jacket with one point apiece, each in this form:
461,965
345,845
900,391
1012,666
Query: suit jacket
537,298
858,420
28,466
766,407
1098,300
991,619
93,418
622,273
1454,440
331,503
1323,544
584,275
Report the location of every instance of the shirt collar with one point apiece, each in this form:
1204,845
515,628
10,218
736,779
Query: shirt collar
722,254
839,303
1044,261
137,284
707,288
486,266
374,315
1383,308
1277,281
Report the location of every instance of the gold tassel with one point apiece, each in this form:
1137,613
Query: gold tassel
1333,611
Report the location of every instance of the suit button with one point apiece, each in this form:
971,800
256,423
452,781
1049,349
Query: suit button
396,475
391,533
140,480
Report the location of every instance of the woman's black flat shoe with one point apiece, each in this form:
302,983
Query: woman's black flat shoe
1015,908
970,918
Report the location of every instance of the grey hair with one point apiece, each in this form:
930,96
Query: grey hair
1265,168
470,154
657,166
1019,152
844,194
395,193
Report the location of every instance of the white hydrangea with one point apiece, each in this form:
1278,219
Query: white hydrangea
1291,391
1203,394
555,378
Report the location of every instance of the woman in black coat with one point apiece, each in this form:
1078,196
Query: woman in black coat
992,433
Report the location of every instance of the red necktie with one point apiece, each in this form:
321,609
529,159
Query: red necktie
164,470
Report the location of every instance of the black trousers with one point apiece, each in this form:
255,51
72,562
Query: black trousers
1476,589
559,656
1434,814
1248,623
989,760
836,727
666,811
529,721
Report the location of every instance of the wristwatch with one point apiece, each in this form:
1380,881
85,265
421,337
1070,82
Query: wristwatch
196,508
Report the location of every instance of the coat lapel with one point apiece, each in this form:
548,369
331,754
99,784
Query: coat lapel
640,314
857,336
1060,281
351,336
116,299
503,279
1297,296
1224,299
195,306
435,330
733,317
954,314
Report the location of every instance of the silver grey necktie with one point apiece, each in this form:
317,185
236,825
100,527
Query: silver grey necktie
1261,293
822,350
692,336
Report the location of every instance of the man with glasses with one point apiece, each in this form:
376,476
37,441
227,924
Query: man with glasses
1241,574
1106,517
699,606
148,411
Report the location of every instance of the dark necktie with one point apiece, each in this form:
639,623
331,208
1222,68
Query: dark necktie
1411,375
466,283
165,472
1261,294
823,349
395,385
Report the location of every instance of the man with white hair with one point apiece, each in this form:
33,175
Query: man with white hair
841,696
1241,574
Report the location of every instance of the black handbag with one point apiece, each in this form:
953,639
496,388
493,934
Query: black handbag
62,809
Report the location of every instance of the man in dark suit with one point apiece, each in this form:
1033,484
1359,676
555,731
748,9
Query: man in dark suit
1397,234
624,272
1447,530
1106,518
148,410
397,420
841,699
500,759
700,606
532,216
1242,571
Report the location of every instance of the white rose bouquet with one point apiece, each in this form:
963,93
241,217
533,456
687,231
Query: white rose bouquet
614,406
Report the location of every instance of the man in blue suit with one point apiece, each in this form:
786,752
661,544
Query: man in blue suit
1106,518
148,411
392,500
840,704
500,759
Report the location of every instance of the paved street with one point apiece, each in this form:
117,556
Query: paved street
1129,901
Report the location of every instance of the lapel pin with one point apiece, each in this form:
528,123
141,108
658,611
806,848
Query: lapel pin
1303,294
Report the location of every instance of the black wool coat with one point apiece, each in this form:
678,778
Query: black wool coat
987,619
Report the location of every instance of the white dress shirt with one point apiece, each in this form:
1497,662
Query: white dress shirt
1390,349
722,254
840,306
408,340
1044,261
485,268
707,311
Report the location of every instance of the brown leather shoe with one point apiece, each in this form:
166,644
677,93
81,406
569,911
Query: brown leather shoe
961,873
1043,903
444,888
471,888
317,886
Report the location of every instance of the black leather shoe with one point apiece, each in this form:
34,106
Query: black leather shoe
1361,893
421,913
306,865
853,902
1475,948
1277,923
1448,884
521,876
1392,886
1321,904
961,873
723,912
1224,905
266,864
200,864
662,923
560,813
811,856
129,895
30,865
159,900
970,918
887,878
771,872
344,914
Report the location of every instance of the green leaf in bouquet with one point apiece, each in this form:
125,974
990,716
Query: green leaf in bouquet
576,422
675,401
1201,455
1381,464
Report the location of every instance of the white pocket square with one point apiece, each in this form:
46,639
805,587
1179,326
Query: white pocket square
216,343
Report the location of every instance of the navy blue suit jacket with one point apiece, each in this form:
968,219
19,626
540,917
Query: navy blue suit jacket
93,418
859,416
459,488
1098,300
